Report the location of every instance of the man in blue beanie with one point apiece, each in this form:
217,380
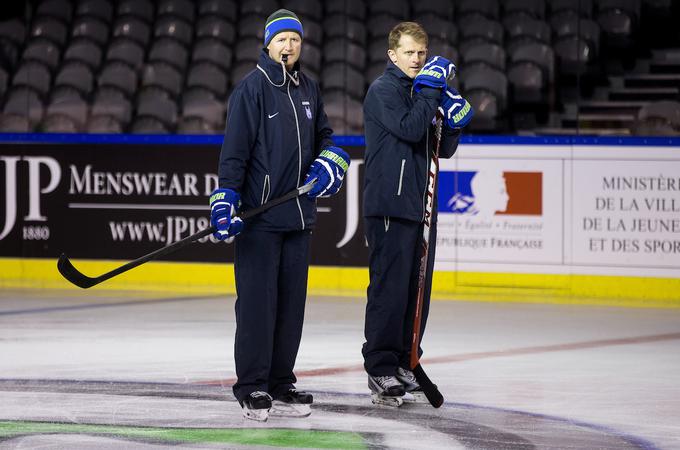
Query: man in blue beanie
277,138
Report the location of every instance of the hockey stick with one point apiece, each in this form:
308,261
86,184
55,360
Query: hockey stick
429,389
76,277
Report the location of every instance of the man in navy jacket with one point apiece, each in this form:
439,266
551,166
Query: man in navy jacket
277,138
399,109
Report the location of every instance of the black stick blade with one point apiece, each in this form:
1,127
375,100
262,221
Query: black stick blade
430,390
68,271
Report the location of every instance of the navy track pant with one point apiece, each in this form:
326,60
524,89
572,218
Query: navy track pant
395,249
271,289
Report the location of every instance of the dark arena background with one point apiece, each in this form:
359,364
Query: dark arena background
555,319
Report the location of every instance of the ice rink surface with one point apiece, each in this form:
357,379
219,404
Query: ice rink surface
123,370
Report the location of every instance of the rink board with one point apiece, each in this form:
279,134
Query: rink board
551,219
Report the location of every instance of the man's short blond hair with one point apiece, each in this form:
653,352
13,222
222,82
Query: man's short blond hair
413,29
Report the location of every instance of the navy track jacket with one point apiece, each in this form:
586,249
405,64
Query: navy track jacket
274,131
399,143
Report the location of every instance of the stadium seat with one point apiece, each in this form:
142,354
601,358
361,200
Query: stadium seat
259,7
164,76
216,27
139,9
239,70
344,112
488,80
342,76
174,28
521,29
127,51
214,51
4,80
438,27
26,102
538,54
308,8
310,58
377,50
35,75
343,25
68,104
492,55
480,29
399,9
58,123
103,124
120,76
148,125
487,108
182,9
487,8
442,9
380,25
14,123
49,28
583,8
345,50
374,70
660,118
313,30
533,8
92,29
42,50
443,48
112,102
61,10
156,103
84,51
99,9
9,54
77,75
132,28
569,24
197,125
248,50
353,8
169,51
14,30
225,9
202,103
252,26
574,54
208,76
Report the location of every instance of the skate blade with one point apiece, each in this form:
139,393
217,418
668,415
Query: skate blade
415,397
282,409
394,402
261,415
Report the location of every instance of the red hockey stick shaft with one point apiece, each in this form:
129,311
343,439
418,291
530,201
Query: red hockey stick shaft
427,224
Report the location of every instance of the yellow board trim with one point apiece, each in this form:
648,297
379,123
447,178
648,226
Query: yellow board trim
204,278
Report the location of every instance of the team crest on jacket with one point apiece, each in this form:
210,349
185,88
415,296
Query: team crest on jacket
307,110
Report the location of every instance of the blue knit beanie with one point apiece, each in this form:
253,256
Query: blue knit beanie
282,20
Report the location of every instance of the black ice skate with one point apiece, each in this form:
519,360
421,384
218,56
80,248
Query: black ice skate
256,406
293,403
414,393
386,390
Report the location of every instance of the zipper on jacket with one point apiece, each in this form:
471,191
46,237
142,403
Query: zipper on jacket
297,128
401,176
266,190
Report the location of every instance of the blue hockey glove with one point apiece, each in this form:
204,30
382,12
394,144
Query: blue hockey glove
223,206
329,170
434,74
456,110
